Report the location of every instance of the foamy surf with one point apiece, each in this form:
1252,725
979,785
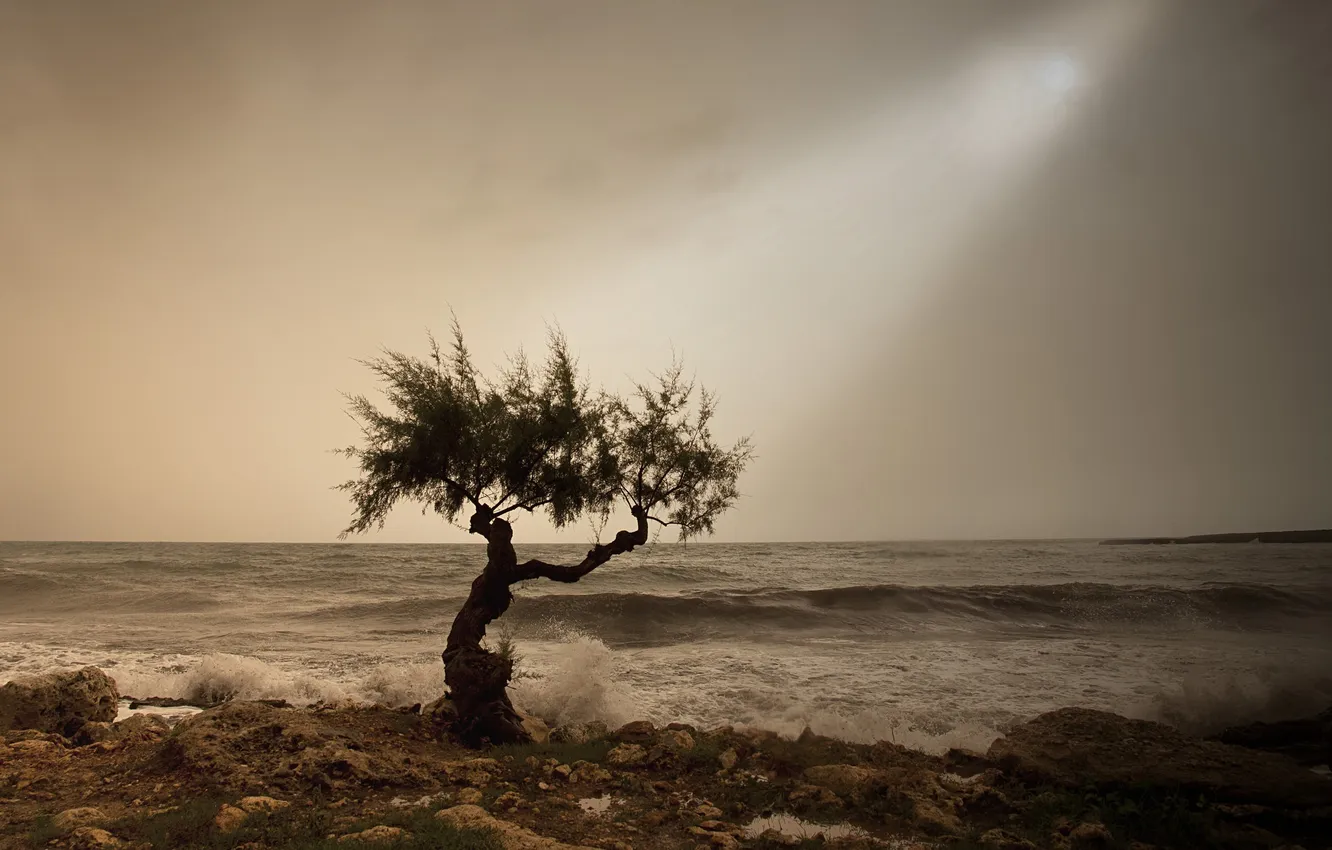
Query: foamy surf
928,645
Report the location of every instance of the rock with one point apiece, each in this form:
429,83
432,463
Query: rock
1077,747
442,711
1090,836
510,836
71,819
381,834
334,761
35,747
251,805
58,702
933,820
773,836
590,773
92,838
728,759
578,733
229,819
535,726
470,796
844,779
1308,741
563,771
626,754
478,772
141,726
640,731
724,841
676,741
93,732
998,839
707,810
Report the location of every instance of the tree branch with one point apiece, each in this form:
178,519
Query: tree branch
527,506
624,541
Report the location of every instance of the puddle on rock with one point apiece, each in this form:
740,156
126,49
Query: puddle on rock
597,805
794,827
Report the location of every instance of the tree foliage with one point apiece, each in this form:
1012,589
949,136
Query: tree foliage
536,438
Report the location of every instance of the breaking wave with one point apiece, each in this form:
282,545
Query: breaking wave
884,606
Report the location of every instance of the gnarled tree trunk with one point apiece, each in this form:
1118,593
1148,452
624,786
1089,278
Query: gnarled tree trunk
477,678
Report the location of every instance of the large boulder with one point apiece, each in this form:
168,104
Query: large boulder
235,742
1078,747
1308,741
58,702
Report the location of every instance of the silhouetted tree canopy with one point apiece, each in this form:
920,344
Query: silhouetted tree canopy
537,438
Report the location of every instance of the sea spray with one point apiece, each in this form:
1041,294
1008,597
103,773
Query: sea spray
575,681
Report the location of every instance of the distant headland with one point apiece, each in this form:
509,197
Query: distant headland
1323,535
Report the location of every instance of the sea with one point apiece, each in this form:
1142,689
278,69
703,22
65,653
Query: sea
931,645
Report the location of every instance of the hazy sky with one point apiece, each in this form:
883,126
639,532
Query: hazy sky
962,269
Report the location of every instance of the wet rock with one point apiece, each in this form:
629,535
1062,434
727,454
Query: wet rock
229,819
843,779
92,838
676,741
578,733
71,819
626,754
728,758
773,836
510,836
58,702
535,726
381,834
1078,746
640,731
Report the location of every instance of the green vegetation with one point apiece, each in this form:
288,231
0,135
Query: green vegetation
565,753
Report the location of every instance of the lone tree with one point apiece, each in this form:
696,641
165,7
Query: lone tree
532,438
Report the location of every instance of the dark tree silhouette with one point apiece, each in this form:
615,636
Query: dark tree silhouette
531,439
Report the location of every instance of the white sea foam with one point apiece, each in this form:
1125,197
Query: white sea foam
1204,703
575,681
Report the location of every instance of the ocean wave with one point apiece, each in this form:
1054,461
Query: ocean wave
865,607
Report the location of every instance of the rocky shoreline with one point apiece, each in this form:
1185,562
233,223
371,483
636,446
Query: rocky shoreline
260,775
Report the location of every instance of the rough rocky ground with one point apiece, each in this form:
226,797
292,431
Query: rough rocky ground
253,775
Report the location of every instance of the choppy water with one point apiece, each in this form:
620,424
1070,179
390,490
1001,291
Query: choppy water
930,644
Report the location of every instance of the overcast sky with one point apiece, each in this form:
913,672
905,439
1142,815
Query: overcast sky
961,269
